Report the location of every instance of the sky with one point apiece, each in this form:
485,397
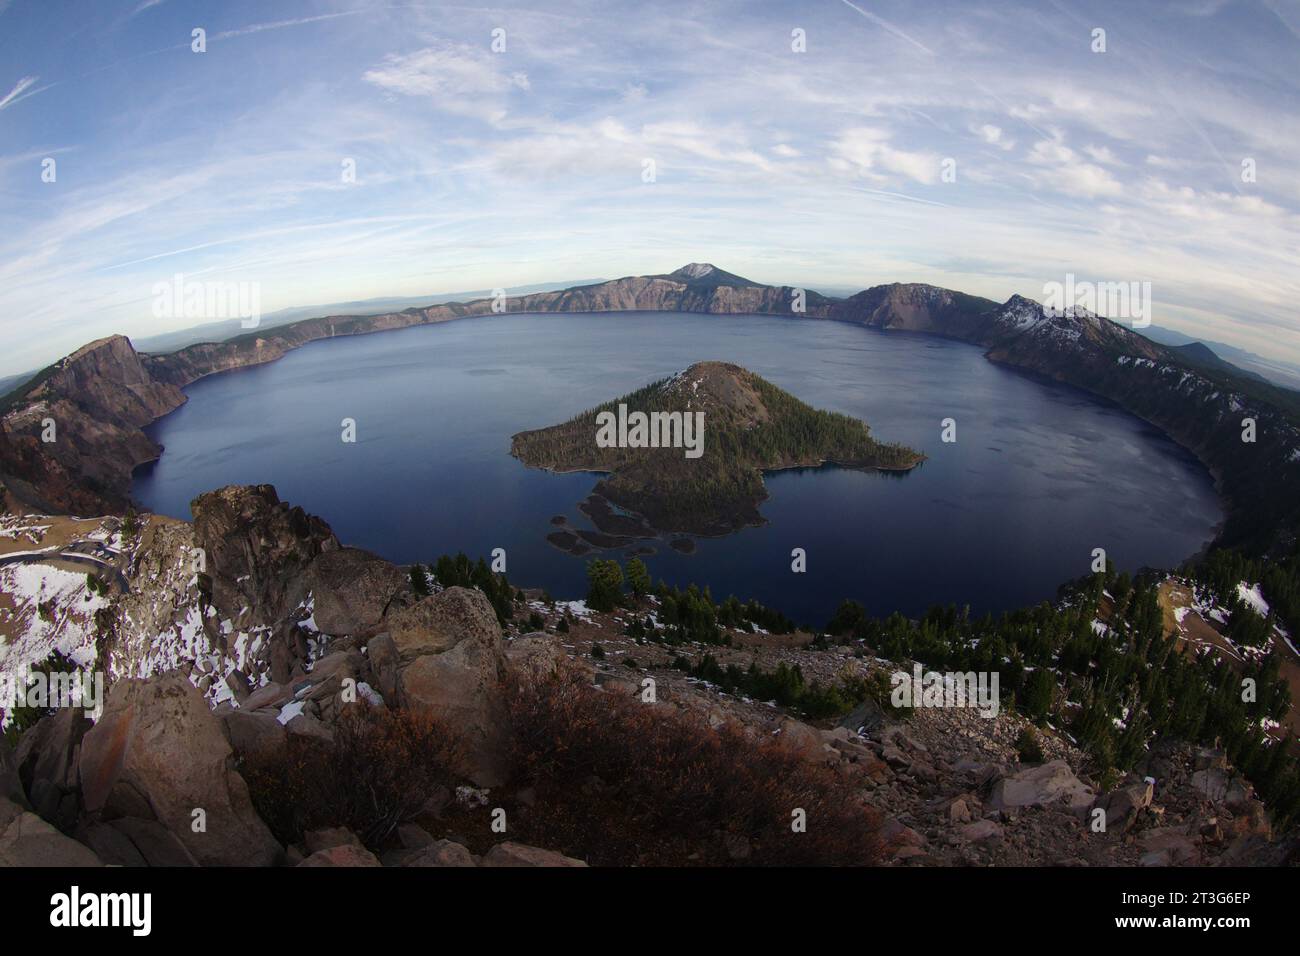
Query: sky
989,147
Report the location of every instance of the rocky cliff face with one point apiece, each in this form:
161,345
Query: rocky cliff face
695,288
74,434
914,307
256,547
33,481
1203,410
108,379
257,348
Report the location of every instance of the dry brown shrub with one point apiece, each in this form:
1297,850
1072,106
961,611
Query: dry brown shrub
378,773
620,782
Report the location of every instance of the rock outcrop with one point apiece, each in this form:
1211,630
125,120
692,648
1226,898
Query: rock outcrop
440,622
517,854
457,677
47,759
440,853
352,590
344,855
257,550
158,753
11,786
1052,784
27,840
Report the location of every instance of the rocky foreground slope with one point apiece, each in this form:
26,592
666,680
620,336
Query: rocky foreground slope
250,643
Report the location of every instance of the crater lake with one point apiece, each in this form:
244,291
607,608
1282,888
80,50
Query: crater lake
1039,476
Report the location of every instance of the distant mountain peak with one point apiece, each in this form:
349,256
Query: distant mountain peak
705,275
695,270
1022,301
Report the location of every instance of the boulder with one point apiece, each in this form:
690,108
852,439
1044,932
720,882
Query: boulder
895,757
327,679
11,786
855,748
413,837
238,684
901,737
338,664
1125,803
462,688
153,842
1211,784
959,811
1249,819
47,765
518,854
328,838
346,855
866,719
268,695
440,853
1220,786
875,769
536,657
1168,847
807,742
10,811
284,655
256,736
1051,784
441,621
897,836
381,651
310,728
979,831
112,846
1211,758
28,840
352,590
158,743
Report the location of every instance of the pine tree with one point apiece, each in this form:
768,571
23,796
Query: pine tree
605,584
638,577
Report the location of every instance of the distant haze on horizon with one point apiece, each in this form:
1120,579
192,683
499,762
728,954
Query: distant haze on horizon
790,143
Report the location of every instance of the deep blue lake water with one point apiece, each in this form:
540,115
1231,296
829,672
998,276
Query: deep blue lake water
1039,476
